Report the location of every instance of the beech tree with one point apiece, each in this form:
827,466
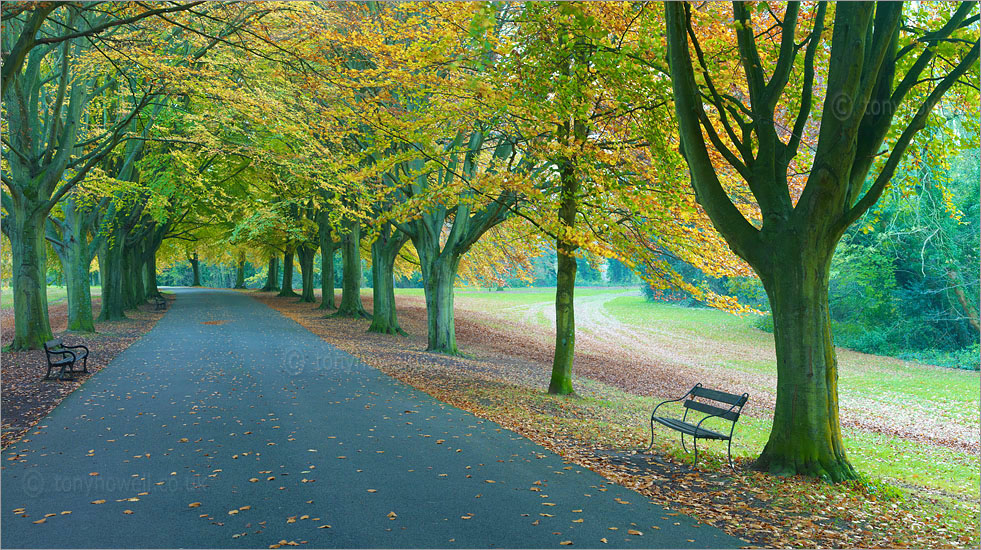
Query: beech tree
881,75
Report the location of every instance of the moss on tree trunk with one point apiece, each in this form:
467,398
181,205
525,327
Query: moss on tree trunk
806,435
31,325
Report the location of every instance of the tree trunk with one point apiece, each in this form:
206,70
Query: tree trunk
806,434
26,233
327,248
565,283
287,287
272,275
196,270
133,277
306,273
76,267
351,305
111,268
439,278
240,272
150,266
384,250
970,311
565,325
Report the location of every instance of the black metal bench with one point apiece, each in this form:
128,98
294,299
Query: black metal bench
64,358
160,302
735,403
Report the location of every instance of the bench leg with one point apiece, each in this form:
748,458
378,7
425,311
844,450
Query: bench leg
694,443
730,455
651,446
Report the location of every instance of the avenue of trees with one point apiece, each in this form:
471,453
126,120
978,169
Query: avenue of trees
457,140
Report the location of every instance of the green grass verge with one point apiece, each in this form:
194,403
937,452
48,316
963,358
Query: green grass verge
56,295
896,384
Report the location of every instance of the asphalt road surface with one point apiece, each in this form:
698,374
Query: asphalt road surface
231,426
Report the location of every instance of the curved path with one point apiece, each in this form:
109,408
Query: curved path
229,425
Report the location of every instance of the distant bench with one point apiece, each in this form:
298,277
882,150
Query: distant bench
735,406
159,302
63,358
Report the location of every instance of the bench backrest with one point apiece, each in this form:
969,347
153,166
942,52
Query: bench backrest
731,412
52,344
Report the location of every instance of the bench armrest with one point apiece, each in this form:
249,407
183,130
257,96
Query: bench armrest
674,400
63,351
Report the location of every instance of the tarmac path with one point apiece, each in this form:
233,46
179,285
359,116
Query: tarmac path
231,426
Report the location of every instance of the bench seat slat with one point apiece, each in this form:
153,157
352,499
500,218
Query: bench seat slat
716,395
690,429
712,409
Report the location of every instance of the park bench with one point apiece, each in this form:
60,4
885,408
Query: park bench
159,302
691,403
63,358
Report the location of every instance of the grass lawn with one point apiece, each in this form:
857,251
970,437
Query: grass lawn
56,295
894,384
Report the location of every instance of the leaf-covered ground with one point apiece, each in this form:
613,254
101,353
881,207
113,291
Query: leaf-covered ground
27,397
620,366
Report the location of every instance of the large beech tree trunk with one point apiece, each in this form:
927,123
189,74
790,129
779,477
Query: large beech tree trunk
306,273
384,251
76,268
439,278
240,271
351,305
111,267
806,436
135,291
272,275
327,248
195,270
25,229
286,289
151,274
